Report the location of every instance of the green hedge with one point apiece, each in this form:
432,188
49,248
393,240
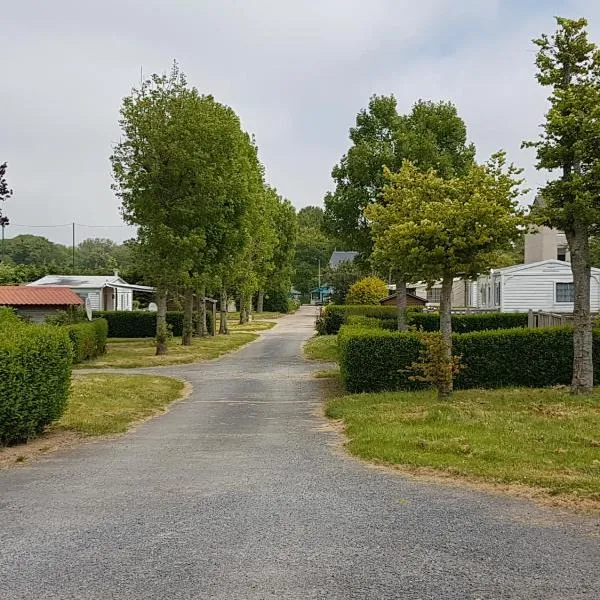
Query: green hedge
35,362
142,323
334,316
88,339
375,360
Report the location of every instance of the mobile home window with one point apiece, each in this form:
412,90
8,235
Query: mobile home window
564,292
434,295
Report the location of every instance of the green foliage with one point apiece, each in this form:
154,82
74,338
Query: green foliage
8,315
368,290
12,274
434,366
74,314
88,339
312,247
142,324
276,301
310,217
334,316
374,360
35,362
432,136
342,277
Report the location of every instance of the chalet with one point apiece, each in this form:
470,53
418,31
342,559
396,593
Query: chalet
36,304
411,300
103,292
545,285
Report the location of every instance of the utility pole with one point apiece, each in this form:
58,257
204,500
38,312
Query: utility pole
320,292
73,245
3,222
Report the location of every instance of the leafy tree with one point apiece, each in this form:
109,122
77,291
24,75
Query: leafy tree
5,194
96,255
569,64
439,229
368,290
431,136
312,247
36,250
311,217
342,277
182,173
12,274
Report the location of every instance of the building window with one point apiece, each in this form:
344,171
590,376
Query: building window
434,295
564,292
561,253
497,294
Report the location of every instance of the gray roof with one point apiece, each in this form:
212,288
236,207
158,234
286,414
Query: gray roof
340,256
89,282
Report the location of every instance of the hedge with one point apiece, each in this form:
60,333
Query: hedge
334,316
88,340
375,360
35,362
142,323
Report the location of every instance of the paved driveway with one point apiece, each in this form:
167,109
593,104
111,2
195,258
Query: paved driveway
240,492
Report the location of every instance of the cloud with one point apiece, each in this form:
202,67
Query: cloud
296,73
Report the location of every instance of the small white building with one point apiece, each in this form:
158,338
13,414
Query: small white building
464,292
546,285
104,292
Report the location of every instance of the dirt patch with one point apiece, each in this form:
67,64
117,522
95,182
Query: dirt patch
50,441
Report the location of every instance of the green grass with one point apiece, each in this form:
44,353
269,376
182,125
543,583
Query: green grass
322,347
541,438
131,353
104,404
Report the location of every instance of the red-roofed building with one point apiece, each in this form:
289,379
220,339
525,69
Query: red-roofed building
37,303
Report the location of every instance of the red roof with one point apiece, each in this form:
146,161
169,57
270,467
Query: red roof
20,295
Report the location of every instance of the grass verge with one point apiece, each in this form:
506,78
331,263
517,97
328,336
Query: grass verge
544,439
99,405
322,347
132,353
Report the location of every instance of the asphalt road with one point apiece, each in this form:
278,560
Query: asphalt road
242,492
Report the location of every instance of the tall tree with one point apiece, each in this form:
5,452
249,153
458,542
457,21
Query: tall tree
439,229
181,166
5,194
431,136
311,216
569,64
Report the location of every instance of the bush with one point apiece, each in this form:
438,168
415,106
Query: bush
292,305
142,323
368,290
276,301
8,315
35,362
375,360
334,316
88,339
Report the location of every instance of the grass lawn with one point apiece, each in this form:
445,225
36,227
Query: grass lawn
130,353
540,438
102,404
322,347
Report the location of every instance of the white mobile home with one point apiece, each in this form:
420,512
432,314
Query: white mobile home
546,285
104,292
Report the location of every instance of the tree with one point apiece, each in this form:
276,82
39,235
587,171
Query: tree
431,136
368,290
36,250
310,217
96,255
342,277
313,247
5,194
181,171
439,229
569,64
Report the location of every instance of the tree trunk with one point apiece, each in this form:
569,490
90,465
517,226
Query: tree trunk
223,327
201,329
161,322
260,302
245,300
188,316
583,368
445,389
401,303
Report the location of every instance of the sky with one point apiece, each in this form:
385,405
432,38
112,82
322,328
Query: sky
295,71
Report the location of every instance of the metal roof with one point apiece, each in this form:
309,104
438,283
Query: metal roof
339,256
89,282
21,295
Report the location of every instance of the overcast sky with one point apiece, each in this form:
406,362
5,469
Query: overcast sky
296,71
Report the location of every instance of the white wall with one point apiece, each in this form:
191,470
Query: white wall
124,299
95,296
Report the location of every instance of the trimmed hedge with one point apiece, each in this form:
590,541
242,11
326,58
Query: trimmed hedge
88,339
334,316
375,360
142,323
35,362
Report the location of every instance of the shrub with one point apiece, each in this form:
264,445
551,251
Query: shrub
368,290
8,315
142,323
35,362
336,315
88,339
374,360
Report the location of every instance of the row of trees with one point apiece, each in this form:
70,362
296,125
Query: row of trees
190,179
411,197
